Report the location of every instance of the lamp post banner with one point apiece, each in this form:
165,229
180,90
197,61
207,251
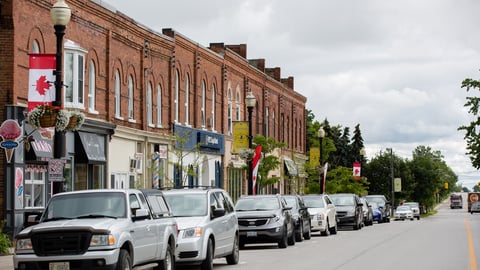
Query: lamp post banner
256,161
41,89
357,169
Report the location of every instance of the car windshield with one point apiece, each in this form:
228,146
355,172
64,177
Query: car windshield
343,200
379,200
187,205
87,205
260,203
313,202
411,204
291,201
403,208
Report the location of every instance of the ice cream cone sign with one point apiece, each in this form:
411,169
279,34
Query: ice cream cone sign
10,131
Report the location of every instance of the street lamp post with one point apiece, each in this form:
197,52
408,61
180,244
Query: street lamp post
60,14
363,153
321,135
250,102
392,179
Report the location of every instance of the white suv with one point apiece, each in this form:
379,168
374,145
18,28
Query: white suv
207,223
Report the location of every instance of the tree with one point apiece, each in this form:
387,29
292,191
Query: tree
341,180
269,161
472,131
355,146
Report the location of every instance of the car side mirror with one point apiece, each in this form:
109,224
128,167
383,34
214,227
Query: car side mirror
140,214
218,212
360,204
287,208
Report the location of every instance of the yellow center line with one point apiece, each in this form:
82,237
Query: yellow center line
473,260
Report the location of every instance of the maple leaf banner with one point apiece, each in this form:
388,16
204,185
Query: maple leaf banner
41,87
255,164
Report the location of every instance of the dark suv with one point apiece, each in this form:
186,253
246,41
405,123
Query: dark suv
265,219
349,209
383,205
301,217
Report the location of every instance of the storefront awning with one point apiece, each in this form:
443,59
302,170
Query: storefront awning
93,146
291,166
42,144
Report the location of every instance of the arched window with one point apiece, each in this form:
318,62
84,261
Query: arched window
149,105
117,95
266,122
159,106
229,111
35,48
130,97
237,105
91,87
177,90
74,72
212,117
204,89
187,93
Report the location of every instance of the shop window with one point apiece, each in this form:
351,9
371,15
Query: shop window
35,179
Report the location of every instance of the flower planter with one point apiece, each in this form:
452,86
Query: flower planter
48,119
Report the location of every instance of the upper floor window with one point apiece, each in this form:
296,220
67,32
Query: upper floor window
204,89
266,122
117,95
149,105
229,111
35,48
74,75
91,87
130,97
187,93
273,124
177,90
212,117
237,106
159,106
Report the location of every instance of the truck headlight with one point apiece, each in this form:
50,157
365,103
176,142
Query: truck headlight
193,232
24,244
275,219
102,240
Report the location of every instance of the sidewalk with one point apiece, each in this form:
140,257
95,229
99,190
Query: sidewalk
6,262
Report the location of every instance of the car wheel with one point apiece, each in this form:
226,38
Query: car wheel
291,239
169,262
334,229
418,218
308,234
124,261
235,255
283,242
207,264
327,229
299,235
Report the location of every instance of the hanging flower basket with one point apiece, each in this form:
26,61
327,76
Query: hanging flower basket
76,121
45,116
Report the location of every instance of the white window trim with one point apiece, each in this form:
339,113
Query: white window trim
149,105
187,93
92,76
131,103
117,95
76,51
159,106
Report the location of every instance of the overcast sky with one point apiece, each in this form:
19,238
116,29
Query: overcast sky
394,67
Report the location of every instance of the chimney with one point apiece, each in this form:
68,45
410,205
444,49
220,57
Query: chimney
273,72
240,49
288,82
218,47
258,63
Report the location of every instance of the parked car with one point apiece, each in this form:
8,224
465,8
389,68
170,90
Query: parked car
349,209
323,213
367,212
265,219
207,226
475,208
415,209
301,217
376,212
383,204
403,212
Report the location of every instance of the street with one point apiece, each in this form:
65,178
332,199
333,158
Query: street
441,241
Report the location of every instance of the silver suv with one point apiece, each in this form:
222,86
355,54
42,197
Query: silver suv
207,223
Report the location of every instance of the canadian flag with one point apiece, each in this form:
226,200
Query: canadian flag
255,163
357,169
41,89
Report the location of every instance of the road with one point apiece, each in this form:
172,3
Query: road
448,240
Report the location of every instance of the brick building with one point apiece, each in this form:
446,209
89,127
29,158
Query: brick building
159,107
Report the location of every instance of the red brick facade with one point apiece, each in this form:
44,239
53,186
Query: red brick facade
114,42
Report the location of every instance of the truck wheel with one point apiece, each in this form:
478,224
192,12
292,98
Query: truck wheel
235,255
124,261
207,264
169,262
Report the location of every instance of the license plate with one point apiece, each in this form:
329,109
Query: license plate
59,266
251,234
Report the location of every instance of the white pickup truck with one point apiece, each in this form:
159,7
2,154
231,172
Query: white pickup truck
100,229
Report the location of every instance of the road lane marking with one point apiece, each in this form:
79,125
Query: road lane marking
473,260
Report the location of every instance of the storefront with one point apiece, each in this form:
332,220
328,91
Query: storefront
197,157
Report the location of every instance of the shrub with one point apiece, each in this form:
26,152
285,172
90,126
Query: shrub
5,242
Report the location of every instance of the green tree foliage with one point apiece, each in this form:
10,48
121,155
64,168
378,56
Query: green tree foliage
269,162
341,180
472,131
355,146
